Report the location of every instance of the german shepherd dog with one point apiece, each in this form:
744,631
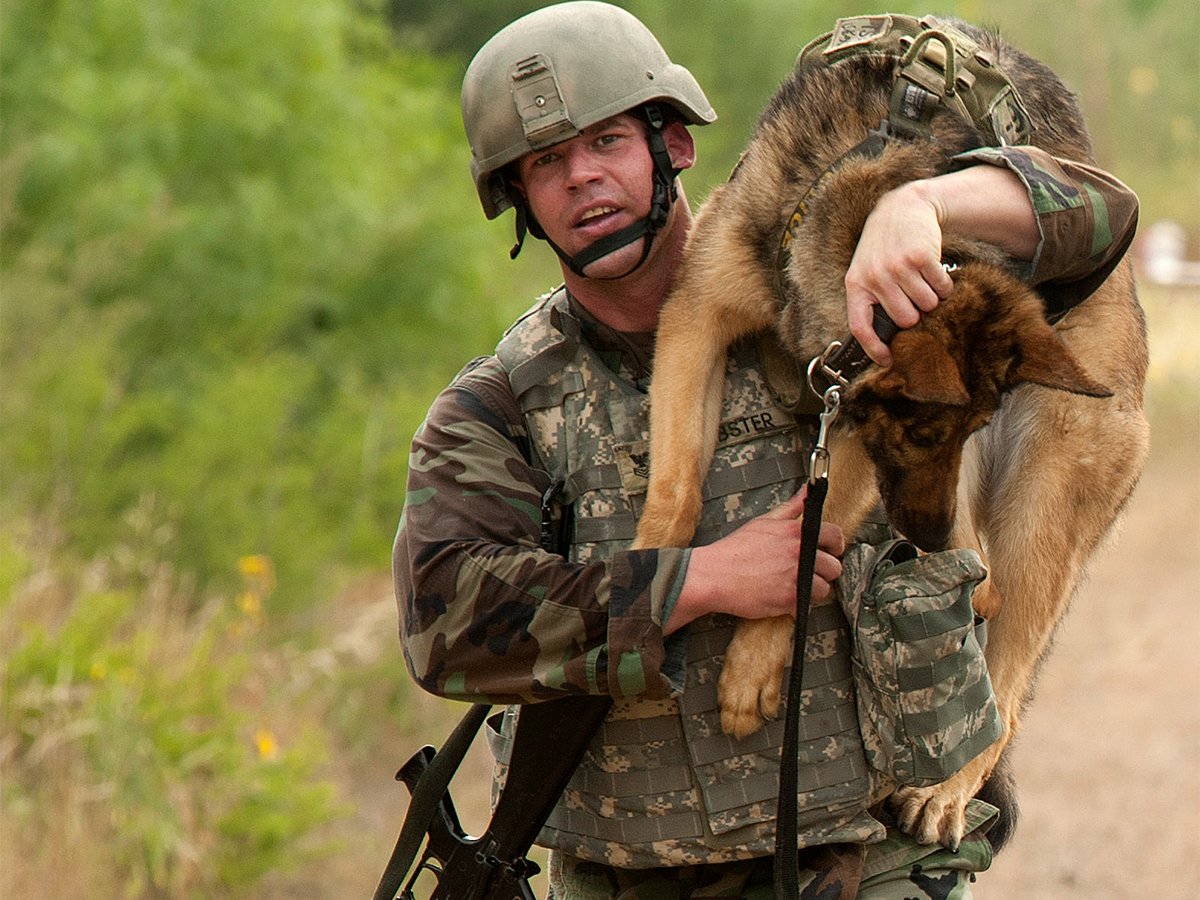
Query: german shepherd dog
991,430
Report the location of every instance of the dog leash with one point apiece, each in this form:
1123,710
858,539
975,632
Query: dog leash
787,854
828,375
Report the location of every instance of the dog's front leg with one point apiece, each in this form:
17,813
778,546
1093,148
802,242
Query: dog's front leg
685,414
751,675
721,297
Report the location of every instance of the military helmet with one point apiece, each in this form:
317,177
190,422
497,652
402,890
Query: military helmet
550,74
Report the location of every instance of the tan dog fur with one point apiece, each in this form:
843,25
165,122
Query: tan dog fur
991,430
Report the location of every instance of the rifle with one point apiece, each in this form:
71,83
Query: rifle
550,740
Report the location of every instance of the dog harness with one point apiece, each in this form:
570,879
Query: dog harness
936,64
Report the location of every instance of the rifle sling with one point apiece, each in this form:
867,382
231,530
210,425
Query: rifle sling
550,741
425,800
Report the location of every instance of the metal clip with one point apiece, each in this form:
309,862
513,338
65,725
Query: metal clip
818,462
819,365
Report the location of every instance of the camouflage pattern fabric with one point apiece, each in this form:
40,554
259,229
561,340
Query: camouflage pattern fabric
1086,218
896,868
925,701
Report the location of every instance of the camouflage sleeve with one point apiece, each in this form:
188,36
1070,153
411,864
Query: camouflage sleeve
1087,218
486,614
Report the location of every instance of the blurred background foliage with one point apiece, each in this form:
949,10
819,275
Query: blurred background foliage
240,252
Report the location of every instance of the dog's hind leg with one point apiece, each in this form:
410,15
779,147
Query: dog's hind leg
1056,482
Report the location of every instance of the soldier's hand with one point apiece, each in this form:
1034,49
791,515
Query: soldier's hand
751,572
898,261
897,265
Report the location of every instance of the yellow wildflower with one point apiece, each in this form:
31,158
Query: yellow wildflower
250,604
265,743
256,565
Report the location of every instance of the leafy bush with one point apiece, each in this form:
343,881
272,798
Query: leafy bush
156,733
233,275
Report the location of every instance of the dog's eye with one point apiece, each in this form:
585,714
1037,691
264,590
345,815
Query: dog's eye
924,435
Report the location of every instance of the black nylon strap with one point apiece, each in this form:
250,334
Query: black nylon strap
425,801
787,856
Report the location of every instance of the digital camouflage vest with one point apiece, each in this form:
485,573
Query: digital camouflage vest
661,783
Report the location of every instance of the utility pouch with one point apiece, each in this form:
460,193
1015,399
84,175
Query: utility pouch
925,701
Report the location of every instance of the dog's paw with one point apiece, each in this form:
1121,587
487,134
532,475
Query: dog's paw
746,702
751,682
937,814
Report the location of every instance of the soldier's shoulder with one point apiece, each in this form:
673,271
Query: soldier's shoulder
481,371
480,391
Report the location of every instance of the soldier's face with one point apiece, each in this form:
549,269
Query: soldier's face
592,185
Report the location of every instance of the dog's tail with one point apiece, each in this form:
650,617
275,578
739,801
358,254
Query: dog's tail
1000,790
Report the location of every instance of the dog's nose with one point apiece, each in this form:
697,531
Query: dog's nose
929,536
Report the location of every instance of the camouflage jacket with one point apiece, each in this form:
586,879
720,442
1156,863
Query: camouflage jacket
1086,219
467,558
486,614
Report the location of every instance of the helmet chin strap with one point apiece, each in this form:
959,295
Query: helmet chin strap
664,195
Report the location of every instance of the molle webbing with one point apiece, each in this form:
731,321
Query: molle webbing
661,779
967,80
769,470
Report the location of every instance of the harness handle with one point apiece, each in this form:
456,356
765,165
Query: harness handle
948,65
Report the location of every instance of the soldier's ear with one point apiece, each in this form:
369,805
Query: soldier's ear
512,175
680,145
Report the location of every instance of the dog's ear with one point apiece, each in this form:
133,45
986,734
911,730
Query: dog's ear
1044,359
922,371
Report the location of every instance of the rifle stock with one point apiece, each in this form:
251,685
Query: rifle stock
464,866
494,865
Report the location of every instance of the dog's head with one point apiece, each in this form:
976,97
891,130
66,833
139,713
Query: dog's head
947,379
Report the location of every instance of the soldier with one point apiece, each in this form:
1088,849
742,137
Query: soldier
578,120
